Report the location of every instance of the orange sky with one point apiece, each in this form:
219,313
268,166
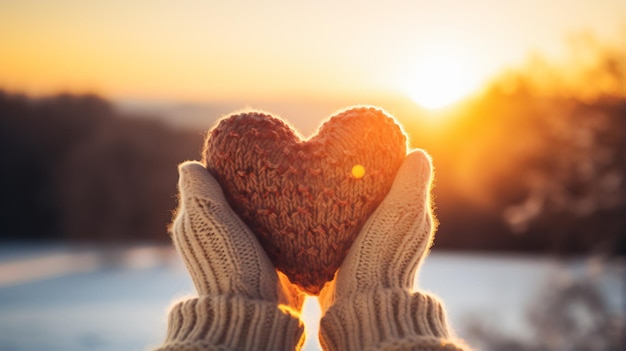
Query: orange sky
212,50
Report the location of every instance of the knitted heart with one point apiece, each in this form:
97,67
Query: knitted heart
306,200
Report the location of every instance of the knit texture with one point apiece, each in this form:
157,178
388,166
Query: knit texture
396,237
369,305
221,254
386,319
231,323
301,197
243,303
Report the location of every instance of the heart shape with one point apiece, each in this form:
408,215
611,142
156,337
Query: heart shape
306,200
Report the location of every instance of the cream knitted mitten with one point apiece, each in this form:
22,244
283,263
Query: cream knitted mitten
243,304
370,303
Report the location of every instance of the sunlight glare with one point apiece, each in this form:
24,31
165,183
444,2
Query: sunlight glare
440,81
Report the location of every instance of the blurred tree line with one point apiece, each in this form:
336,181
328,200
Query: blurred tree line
74,168
534,174
535,164
515,172
538,162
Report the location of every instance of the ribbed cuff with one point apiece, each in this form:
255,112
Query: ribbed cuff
389,319
231,323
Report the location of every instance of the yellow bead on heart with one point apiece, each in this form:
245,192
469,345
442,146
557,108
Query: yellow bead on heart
358,171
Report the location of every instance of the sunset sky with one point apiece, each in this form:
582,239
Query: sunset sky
216,50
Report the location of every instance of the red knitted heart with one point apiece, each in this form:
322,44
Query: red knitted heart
305,199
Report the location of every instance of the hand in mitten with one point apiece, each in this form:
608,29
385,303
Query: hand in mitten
371,304
243,303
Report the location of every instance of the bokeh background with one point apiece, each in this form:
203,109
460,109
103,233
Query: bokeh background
522,105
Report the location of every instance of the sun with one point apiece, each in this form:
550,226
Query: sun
439,81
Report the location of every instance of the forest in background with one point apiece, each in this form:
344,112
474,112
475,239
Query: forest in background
520,169
76,169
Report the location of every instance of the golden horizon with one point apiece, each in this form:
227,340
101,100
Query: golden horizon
437,56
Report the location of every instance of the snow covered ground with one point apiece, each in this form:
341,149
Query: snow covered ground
62,298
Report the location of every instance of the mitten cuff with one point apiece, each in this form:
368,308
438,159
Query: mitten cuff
231,323
387,319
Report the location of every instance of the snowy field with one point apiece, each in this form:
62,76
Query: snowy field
61,298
